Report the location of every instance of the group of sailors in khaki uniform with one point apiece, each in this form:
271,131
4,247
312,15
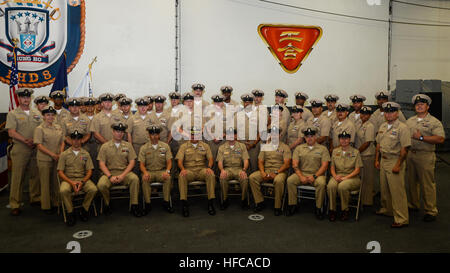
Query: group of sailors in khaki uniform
90,147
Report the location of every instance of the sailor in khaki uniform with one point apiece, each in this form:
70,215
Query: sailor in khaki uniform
82,106
91,145
226,93
321,122
155,161
116,159
258,96
310,162
41,102
247,122
300,100
195,162
150,104
393,140
49,139
278,110
377,117
58,101
426,131
341,124
357,103
280,99
346,165
75,170
160,117
20,124
273,162
364,142
174,111
117,109
215,115
98,106
125,107
75,121
101,123
198,91
138,124
294,131
331,100
233,163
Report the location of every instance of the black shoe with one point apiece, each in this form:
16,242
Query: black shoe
147,209
16,212
107,210
136,211
291,210
211,210
84,215
259,207
167,207
224,204
332,215
71,219
429,218
244,204
319,214
277,212
344,215
185,208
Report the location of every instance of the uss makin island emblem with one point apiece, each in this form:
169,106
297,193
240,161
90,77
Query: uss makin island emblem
44,31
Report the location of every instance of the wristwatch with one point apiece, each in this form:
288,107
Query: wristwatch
168,171
315,176
421,138
276,172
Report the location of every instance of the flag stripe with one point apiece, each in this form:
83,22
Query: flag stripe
13,83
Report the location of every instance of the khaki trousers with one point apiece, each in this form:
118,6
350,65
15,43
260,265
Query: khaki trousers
367,180
320,184
156,176
420,166
344,188
197,175
23,160
49,184
233,174
393,193
88,188
278,182
131,181
253,154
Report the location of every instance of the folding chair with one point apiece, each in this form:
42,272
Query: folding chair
268,191
355,196
196,185
233,183
76,197
160,193
117,192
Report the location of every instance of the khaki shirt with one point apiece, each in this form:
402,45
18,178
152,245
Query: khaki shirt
50,137
275,159
210,120
116,159
307,114
75,166
63,114
155,159
101,124
23,124
294,131
346,163
355,118
197,102
322,123
428,126
194,157
286,114
232,102
232,157
163,122
137,127
377,118
310,160
365,133
394,139
82,124
248,126
330,115
337,128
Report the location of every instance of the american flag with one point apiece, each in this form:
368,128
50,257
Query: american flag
13,83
